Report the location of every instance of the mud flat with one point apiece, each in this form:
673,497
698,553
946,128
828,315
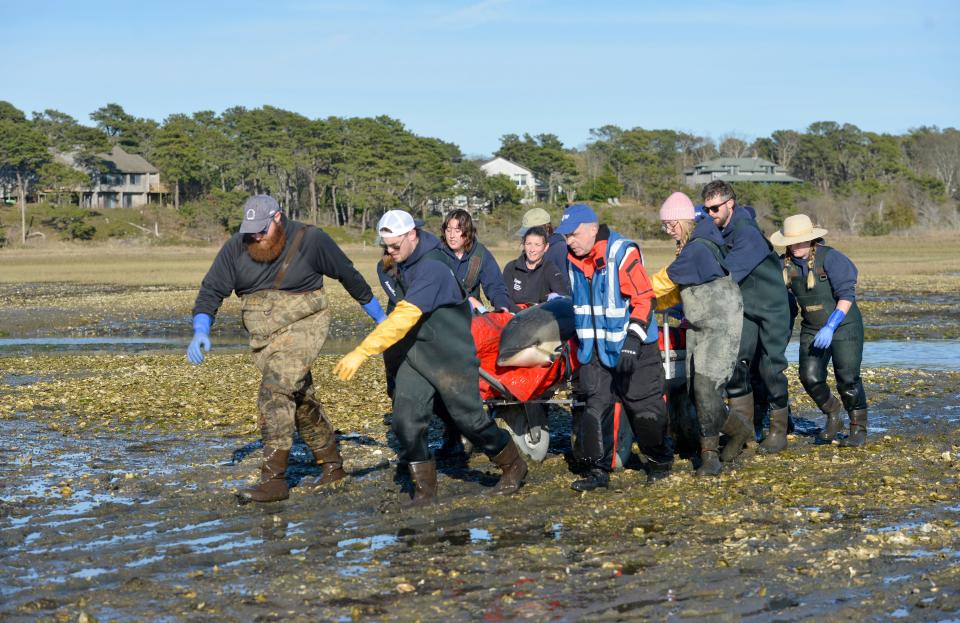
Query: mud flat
117,503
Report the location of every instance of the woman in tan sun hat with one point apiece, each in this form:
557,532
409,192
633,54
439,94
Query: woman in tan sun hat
824,281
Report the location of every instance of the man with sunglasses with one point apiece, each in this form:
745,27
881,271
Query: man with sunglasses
756,267
429,339
276,267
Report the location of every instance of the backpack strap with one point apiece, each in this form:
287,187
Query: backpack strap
291,255
473,271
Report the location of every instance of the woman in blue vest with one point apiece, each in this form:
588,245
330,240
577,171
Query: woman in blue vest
824,281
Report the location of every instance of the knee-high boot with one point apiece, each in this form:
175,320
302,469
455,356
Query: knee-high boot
273,478
777,439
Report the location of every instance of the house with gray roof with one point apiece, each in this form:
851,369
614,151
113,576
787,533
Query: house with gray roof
755,170
123,180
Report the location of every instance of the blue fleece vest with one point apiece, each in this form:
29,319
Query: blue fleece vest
601,311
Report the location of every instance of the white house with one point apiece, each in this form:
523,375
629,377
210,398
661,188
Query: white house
523,176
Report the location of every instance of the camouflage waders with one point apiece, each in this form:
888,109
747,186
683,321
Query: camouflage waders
287,331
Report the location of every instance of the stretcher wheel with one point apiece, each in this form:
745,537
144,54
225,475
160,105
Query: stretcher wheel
528,426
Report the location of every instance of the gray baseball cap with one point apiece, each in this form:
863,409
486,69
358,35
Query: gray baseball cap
258,211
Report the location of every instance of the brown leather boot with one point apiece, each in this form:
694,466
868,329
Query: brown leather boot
424,476
858,429
737,428
273,480
710,465
776,440
514,470
833,408
331,464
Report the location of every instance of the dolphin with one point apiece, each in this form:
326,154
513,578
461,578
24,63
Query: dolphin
534,336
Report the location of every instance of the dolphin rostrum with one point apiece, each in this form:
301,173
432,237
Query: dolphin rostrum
534,336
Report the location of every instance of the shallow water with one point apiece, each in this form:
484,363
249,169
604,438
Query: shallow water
924,354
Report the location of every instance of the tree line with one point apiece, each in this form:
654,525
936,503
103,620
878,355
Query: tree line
347,171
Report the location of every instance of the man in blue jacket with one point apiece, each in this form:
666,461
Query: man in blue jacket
756,267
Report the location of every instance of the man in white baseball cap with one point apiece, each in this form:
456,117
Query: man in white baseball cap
434,354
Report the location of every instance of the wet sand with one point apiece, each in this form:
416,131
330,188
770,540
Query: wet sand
125,523
118,470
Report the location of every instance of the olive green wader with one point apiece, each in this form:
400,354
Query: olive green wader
437,360
816,304
766,321
287,331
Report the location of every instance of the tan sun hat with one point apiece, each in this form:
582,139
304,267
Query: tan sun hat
796,228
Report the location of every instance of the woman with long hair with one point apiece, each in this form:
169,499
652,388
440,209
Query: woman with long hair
472,263
713,309
823,281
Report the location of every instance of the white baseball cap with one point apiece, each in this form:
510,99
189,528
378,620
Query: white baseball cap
395,223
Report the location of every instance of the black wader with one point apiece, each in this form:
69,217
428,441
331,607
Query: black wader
846,349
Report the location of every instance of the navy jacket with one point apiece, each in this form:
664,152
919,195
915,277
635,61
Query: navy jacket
747,249
841,273
557,253
491,279
531,286
696,263
430,283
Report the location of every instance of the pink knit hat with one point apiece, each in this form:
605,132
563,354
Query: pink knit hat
677,207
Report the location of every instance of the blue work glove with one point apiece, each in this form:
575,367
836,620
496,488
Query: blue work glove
554,295
825,335
201,337
374,310
675,312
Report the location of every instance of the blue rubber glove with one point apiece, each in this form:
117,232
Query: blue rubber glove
201,337
825,335
374,310
554,295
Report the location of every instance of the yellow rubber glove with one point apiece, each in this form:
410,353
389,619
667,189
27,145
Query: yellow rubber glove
403,318
666,291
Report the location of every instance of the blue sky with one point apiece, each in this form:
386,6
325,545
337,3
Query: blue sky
470,71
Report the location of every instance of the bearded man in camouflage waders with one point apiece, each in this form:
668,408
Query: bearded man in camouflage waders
276,267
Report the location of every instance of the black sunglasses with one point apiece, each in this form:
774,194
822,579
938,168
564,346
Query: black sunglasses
716,208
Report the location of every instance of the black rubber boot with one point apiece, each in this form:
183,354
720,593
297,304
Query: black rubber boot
834,424
273,478
596,478
657,470
424,476
737,428
452,445
777,439
710,460
858,429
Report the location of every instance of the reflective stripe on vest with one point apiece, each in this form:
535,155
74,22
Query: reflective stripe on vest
601,311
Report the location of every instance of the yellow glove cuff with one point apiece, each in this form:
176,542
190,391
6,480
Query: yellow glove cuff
666,291
403,318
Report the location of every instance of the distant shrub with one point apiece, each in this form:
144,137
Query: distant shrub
70,221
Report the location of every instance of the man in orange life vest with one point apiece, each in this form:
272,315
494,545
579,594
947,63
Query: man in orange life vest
618,352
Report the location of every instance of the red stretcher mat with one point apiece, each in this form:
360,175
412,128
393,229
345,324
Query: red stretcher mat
524,383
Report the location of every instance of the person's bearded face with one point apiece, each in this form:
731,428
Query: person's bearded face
267,247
